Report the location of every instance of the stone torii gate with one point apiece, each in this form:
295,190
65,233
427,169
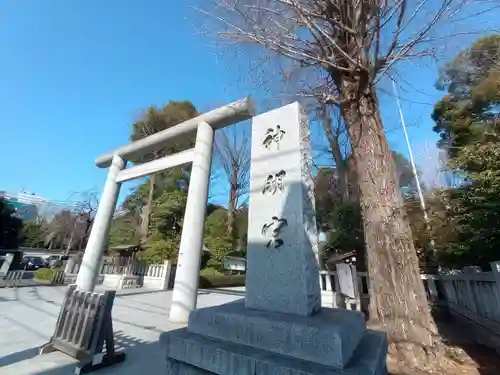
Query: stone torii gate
188,267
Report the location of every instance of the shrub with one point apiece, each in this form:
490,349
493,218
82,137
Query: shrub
221,281
210,271
45,274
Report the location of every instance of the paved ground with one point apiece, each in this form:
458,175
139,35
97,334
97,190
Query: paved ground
28,316
27,280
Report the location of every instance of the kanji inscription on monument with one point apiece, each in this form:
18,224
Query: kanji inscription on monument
273,228
274,183
281,216
273,136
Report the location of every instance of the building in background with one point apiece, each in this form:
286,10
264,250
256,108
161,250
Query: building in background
28,206
233,264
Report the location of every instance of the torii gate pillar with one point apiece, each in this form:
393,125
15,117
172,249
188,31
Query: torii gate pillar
92,258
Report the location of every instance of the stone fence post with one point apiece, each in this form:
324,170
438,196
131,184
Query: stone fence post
495,268
431,285
70,265
166,274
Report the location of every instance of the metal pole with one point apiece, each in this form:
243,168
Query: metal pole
415,174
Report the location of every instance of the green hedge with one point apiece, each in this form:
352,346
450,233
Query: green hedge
210,272
222,281
45,274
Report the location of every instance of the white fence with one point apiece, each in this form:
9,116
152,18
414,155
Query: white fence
472,297
475,295
134,275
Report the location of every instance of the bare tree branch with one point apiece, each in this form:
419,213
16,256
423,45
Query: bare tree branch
341,36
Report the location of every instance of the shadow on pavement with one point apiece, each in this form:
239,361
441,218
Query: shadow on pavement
458,333
142,358
18,356
162,311
223,291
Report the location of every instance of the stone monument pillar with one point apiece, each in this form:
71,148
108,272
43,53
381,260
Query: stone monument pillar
280,328
282,273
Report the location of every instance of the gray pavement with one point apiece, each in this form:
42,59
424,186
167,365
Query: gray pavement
27,280
28,316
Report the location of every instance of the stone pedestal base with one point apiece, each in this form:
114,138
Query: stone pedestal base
232,340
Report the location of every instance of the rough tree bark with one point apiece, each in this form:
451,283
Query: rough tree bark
397,297
233,198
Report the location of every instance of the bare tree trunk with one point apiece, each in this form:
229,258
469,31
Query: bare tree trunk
232,156
72,236
85,239
397,296
340,164
146,209
231,208
70,242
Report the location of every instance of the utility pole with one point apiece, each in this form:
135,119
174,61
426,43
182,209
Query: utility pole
415,175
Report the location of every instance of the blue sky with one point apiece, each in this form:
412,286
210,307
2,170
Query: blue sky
75,74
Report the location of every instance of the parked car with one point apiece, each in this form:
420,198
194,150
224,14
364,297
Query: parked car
56,261
33,263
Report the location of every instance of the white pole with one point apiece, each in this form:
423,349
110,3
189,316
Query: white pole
415,173
185,291
92,258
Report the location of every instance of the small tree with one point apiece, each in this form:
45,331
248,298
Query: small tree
84,213
59,229
232,157
152,121
125,230
32,234
216,237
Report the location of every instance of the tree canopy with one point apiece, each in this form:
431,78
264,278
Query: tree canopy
155,119
468,113
467,120
152,121
10,226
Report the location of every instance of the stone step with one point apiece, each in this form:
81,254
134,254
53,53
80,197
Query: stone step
328,337
192,354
